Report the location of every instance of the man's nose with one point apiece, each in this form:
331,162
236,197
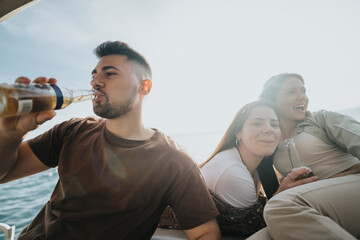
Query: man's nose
96,82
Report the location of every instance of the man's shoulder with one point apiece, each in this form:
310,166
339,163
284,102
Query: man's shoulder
76,126
176,152
169,142
84,122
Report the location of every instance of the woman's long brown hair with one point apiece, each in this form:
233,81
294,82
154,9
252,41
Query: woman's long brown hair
228,140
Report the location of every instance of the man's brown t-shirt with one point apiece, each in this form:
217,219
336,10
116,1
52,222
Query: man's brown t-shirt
114,188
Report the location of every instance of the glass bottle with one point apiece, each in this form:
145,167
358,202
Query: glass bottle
18,99
296,160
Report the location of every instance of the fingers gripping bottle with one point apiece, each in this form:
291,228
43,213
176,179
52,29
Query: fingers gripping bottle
20,99
296,159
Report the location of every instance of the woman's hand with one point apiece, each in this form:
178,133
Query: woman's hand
289,180
20,125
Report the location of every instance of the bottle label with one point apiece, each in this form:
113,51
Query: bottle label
59,97
25,106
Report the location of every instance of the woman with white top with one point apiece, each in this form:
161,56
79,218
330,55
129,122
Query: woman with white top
230,172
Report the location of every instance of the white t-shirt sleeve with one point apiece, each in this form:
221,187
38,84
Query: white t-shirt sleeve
236,187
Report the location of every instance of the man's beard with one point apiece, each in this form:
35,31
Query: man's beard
115,110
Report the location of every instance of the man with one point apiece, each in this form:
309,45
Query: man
116,176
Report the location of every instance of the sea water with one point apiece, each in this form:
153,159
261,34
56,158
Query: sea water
22,199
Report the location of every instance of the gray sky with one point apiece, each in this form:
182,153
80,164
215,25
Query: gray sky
209,57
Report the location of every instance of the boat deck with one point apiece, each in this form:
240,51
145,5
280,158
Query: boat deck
160,234
172,234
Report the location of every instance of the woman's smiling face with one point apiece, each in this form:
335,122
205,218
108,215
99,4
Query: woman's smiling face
291,101
260,134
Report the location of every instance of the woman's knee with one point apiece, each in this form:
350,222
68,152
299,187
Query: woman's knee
280,204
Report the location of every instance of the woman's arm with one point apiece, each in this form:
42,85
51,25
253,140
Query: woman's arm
289,180
341,129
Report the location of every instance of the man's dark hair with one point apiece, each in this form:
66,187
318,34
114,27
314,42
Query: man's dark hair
121,48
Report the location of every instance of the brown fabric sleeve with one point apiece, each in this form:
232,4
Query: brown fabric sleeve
47,146
191,201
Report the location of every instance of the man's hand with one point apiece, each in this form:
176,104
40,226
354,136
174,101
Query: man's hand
207,231
16,158
20,125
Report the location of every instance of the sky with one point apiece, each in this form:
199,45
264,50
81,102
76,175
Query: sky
208,57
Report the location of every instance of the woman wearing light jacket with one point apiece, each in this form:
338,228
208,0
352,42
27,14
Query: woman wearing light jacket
329,144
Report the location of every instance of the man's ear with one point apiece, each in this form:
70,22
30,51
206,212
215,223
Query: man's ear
146,87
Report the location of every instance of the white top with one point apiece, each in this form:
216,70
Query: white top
227,176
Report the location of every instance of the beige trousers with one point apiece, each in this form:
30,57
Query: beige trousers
325,209
262,234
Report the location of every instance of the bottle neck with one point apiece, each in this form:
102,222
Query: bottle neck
74,95
84,97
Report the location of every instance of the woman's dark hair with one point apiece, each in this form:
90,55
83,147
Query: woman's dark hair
273,85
